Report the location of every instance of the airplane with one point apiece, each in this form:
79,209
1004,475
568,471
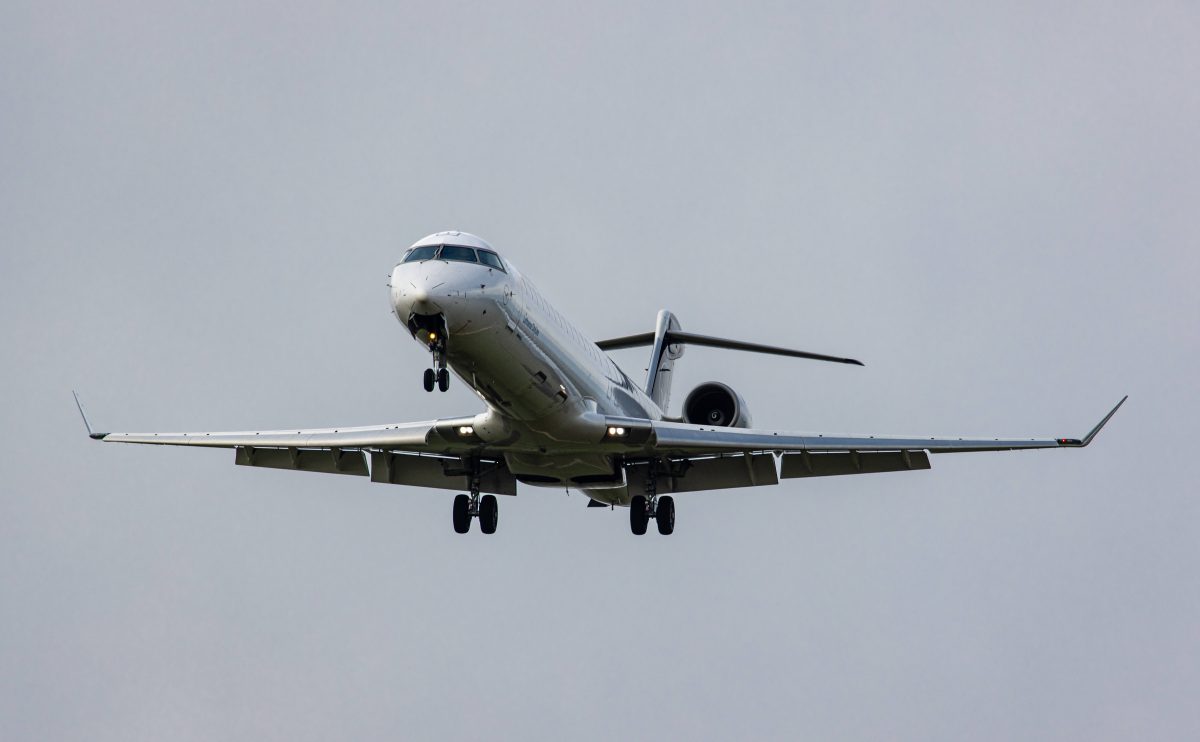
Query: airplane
560,413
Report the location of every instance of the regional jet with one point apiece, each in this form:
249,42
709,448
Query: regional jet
560,413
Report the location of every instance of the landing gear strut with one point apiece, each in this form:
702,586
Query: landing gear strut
439,374
434,336
644,507
466,507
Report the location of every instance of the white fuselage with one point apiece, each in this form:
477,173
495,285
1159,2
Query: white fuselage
548,388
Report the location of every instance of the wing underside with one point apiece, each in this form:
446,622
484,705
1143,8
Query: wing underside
685,457
680,456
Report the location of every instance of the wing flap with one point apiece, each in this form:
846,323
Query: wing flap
709,473
439,472
328,460
805,464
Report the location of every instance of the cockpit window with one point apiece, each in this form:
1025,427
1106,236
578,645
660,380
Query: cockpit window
420,253
490,259
454,252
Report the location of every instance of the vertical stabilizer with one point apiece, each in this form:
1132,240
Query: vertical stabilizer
662,360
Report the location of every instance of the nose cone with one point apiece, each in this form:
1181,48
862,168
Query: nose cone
461,292
413,294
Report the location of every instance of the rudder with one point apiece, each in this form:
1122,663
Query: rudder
662,359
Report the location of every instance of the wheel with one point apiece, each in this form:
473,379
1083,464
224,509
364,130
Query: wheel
443,379
489,514
429,379
664,514
462,513
638,517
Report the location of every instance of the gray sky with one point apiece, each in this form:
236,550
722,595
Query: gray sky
994,208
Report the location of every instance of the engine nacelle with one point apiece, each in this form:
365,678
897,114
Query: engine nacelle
714,403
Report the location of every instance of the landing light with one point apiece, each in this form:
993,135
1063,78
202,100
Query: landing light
466,430
615,432
433,337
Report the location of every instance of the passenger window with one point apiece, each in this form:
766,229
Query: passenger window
490,259
420,253
454,252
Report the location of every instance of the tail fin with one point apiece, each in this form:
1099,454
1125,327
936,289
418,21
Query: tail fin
663,355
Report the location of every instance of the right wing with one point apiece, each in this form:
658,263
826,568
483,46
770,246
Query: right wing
445,454
418,436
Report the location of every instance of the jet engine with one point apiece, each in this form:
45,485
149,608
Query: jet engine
714,403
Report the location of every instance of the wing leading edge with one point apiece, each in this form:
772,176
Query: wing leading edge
685,439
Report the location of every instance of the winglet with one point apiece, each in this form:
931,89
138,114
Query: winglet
86,424
1088,438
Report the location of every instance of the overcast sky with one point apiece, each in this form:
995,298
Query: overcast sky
995,209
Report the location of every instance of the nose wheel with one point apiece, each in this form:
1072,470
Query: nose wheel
439,378
439,375
431,331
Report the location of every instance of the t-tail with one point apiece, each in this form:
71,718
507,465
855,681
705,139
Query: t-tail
667,343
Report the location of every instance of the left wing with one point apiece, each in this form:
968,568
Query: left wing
686,438
688,458
719,457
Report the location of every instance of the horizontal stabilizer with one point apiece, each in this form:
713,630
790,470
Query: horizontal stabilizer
675,337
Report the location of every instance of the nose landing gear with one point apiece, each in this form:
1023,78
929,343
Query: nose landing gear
440,378
431,330
439,374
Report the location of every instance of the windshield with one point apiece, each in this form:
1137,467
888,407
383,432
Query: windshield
420,253
454,252
490,259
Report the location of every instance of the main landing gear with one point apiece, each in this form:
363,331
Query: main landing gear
471,506
467,507
644,507
661,509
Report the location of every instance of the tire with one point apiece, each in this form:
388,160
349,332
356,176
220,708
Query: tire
443,379
665,515
489,514
638,517
462,513
430,378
